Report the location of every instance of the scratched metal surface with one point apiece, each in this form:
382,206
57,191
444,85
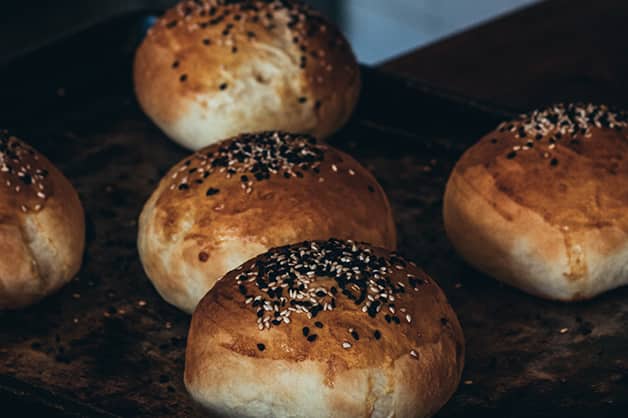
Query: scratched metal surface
107,345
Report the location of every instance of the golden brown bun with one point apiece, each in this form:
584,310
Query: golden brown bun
395,349
197,226
542,202
42,227
212,69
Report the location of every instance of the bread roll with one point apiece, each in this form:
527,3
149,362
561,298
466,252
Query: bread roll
542,202
42,228
236,199
212,69
324,329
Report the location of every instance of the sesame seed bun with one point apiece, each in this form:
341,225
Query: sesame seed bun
324,329
236,199
212,69
42,228
541,203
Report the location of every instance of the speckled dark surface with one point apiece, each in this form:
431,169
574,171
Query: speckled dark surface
108,342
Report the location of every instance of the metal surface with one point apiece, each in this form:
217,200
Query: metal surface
27,28
107,343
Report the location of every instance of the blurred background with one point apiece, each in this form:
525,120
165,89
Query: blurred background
378,29
381,29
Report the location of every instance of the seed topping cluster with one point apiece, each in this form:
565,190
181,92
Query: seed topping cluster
252,157
309,278
21,173
569,124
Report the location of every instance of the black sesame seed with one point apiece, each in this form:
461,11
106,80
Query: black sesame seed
554,162
211,191
183,78
184,186
377,335
223,86
280,273
511,155
302,100
261,347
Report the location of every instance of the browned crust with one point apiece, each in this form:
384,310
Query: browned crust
584,189
224,331
211,235
551,219
42,230
199,51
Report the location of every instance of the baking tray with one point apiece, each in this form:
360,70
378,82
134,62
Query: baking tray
107,345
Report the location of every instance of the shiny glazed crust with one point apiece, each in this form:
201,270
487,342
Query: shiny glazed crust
42,228
542,203
213,69
395,350
197,226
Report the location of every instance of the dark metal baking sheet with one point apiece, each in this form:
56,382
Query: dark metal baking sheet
107,345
